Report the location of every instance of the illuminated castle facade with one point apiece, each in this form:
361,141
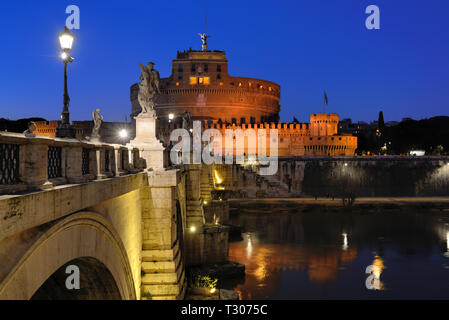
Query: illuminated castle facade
200,84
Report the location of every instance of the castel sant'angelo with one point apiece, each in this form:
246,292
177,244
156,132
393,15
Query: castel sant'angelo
200,84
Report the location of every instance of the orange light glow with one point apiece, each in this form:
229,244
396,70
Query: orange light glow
218,179
193,80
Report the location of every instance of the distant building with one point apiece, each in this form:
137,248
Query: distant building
417,153
346,126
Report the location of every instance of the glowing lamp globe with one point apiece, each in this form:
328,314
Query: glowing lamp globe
66,40
123,133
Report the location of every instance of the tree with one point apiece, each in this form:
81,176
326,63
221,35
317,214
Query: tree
380,131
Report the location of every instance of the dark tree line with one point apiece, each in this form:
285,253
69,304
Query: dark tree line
431,135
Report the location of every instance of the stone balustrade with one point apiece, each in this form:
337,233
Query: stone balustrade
30,163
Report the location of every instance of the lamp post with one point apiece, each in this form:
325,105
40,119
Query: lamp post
64,129
123,134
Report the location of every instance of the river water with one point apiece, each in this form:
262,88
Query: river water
325,255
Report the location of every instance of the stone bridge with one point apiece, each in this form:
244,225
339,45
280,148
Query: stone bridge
130,230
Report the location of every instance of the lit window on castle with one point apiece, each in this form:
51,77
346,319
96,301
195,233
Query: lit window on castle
204,81
177,84
269,89
193,80
240,84
250,84
221,83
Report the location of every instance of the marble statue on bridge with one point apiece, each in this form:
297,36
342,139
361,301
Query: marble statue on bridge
149,87
151,149
98,120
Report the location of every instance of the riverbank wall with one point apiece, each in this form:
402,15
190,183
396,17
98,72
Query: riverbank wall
391,176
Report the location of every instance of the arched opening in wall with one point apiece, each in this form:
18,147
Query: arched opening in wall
180,228
96,283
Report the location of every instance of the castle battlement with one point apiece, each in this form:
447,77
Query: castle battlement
295,139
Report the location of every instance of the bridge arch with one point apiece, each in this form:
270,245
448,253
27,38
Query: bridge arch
85,238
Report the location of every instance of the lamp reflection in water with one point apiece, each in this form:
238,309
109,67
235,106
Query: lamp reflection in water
249,247
345,241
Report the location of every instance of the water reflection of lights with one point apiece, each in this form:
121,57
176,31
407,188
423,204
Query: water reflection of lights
249,247
345,241
378,267
265,263
261,272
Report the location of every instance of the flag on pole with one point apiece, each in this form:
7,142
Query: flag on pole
325,98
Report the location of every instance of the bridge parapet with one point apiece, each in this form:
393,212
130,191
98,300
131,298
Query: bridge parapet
29,163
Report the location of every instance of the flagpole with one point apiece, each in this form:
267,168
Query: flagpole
324,101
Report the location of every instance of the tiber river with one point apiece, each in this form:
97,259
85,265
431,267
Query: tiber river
324,255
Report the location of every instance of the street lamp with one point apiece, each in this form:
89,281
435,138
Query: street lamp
171,116
123,133
65,130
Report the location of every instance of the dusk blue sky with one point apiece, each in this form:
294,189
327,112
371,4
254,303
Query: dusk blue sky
305,46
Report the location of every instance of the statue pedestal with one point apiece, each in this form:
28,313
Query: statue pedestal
151,149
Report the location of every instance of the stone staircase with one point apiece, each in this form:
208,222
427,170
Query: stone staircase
162,273
271,185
